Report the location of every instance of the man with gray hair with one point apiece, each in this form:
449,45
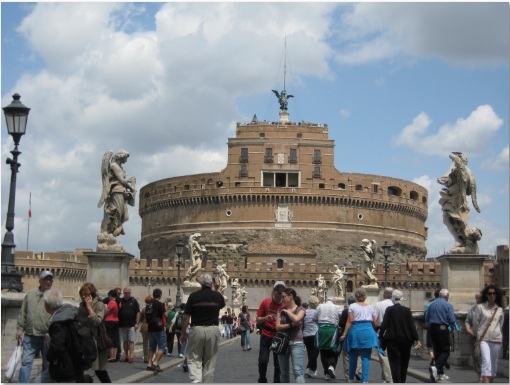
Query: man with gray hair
203,307
380,309
440,315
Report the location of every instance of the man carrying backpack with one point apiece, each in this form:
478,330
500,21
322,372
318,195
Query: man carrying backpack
155,311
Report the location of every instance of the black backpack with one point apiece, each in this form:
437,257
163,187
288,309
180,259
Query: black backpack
80,344
178,321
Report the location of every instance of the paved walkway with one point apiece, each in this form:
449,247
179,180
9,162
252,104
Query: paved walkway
237,366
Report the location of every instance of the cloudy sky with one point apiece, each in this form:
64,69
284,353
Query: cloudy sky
400,85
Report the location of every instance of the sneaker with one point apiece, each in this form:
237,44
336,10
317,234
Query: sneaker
195,382
130,360
331,372
169,354
149,368
443,377
433,373
156,368
125,359
181,355
328,378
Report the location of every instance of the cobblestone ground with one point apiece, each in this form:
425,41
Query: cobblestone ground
235,366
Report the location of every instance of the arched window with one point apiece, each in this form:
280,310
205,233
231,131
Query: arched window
359,187
413,195
341,186
394,190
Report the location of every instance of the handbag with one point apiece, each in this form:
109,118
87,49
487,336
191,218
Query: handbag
14,362
103,341
280,343
476,350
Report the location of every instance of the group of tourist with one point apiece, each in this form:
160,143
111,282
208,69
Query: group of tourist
323,330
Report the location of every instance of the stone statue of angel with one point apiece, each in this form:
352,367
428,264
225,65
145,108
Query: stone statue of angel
459,183
368,262
196,252
118,192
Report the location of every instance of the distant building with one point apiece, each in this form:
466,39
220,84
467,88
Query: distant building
280,188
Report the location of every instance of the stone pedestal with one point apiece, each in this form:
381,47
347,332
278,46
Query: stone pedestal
107,270
462,275
187,290
284,116
11,305
372,294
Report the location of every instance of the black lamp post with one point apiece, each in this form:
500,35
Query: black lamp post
179,248
16,115
345,278
386,253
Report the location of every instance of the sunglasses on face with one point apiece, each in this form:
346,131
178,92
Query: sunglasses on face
491,293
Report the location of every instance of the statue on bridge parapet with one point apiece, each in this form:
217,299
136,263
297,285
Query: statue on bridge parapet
368,266
117,193
338,274
221,273
196,252
459,183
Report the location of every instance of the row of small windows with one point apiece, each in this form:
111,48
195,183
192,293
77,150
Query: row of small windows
269,157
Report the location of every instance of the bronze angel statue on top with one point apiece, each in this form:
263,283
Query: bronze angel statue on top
283,99
118,192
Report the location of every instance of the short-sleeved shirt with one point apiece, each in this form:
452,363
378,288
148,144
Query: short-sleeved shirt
113,313
361,313
204,307
128,310
158,310
269,307
295,332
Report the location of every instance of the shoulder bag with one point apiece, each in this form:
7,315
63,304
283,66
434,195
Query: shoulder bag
280,343
103,339
476,350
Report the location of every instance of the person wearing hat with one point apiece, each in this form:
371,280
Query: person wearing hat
397,334
33,326
266,317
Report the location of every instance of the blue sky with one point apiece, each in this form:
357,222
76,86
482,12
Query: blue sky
400,85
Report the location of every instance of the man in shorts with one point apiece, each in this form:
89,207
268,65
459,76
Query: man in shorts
129,316
155,311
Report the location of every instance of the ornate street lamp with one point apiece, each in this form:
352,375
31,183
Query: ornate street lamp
386,253
179,248
16,115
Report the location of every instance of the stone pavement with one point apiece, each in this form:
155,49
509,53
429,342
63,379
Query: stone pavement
237,366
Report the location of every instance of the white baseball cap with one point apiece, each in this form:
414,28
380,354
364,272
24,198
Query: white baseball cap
46,273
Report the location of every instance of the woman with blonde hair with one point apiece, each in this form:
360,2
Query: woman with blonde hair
91,313
359,334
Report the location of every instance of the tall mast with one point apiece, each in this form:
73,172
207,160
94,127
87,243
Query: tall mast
285,63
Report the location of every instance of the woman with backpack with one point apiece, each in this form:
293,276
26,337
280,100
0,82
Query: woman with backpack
91,313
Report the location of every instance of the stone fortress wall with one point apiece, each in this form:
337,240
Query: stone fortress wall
70,271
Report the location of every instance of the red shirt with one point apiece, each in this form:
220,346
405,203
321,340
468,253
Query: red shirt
268,306
113,314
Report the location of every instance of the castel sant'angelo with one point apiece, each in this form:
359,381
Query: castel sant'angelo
279,197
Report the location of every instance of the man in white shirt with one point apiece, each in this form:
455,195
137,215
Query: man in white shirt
327,316
380,309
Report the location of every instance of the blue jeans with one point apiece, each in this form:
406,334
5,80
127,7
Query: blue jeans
228,330
296,353
245,338
31,345
365,363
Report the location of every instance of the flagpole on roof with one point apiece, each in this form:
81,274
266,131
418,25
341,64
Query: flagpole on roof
29,216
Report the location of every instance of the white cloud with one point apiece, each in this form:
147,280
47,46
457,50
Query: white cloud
461,33
501,161
469,135
345,113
